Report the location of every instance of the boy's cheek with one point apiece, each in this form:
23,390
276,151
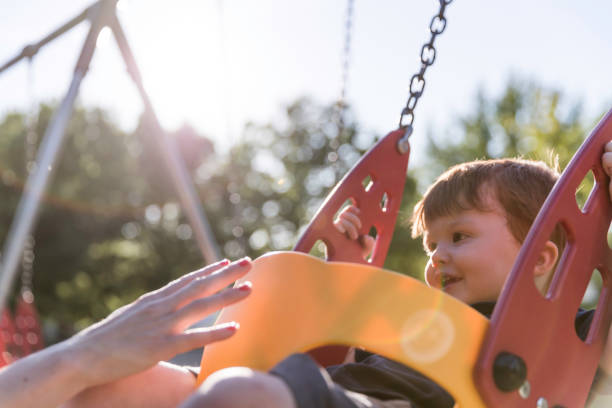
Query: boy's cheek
430,275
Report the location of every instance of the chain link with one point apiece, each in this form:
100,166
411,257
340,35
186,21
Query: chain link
428,56
348,29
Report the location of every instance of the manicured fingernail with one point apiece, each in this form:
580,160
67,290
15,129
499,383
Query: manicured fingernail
244,261
245,286
231,326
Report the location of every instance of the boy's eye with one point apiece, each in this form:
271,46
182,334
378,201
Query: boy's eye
458,236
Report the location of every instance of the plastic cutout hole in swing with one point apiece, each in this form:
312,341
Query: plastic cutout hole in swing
346,203
590,300
593,291
584,189
319,250
559,237
384,202
374,234
367,183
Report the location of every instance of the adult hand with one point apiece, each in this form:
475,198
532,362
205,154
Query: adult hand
130,340
153,328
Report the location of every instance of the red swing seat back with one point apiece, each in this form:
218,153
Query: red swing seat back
375,185
21,335
540,330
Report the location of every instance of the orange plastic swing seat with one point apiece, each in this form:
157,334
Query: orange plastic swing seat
309,302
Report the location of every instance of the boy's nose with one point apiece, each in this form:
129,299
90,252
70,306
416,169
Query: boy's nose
439,257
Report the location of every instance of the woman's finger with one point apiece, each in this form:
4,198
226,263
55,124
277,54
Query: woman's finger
198,337
184,280
199,308
208,285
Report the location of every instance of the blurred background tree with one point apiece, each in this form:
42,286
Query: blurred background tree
111,227
526,120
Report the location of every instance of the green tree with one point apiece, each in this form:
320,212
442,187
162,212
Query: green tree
105,233
527,120
110,227
278,176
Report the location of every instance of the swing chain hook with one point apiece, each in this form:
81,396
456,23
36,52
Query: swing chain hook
417,82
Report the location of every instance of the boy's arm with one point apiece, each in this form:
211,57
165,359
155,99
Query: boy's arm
163,385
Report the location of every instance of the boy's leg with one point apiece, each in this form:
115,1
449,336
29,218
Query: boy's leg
312,387
241,387
296,382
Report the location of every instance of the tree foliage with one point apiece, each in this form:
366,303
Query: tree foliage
111,227
527,120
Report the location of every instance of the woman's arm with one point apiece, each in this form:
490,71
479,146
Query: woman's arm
57,370
163,385
131,340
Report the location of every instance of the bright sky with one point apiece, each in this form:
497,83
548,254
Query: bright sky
217,64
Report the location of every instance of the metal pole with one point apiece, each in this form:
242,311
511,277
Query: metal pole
29,204
30,50
184,187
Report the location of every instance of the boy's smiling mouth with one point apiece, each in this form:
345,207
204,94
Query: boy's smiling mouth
448,280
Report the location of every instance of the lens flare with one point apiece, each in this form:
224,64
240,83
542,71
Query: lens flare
427,335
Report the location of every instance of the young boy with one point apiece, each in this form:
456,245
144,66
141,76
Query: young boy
473,220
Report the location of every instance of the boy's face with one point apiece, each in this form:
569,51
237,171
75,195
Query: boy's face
470,253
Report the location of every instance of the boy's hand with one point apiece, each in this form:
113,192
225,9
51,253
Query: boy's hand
349,223
606,162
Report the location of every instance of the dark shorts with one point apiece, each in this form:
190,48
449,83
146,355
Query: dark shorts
312,387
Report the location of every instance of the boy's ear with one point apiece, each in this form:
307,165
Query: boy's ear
547,259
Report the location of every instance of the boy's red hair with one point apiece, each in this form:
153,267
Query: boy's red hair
520,186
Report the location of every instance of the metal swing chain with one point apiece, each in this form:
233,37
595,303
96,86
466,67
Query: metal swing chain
340,106
348,28
27,258
417,82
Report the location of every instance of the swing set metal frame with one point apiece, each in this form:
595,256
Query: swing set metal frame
101,14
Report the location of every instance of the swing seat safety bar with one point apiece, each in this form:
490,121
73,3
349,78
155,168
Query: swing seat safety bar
300,302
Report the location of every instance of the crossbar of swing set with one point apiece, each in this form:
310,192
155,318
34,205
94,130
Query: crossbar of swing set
101,14
31,50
